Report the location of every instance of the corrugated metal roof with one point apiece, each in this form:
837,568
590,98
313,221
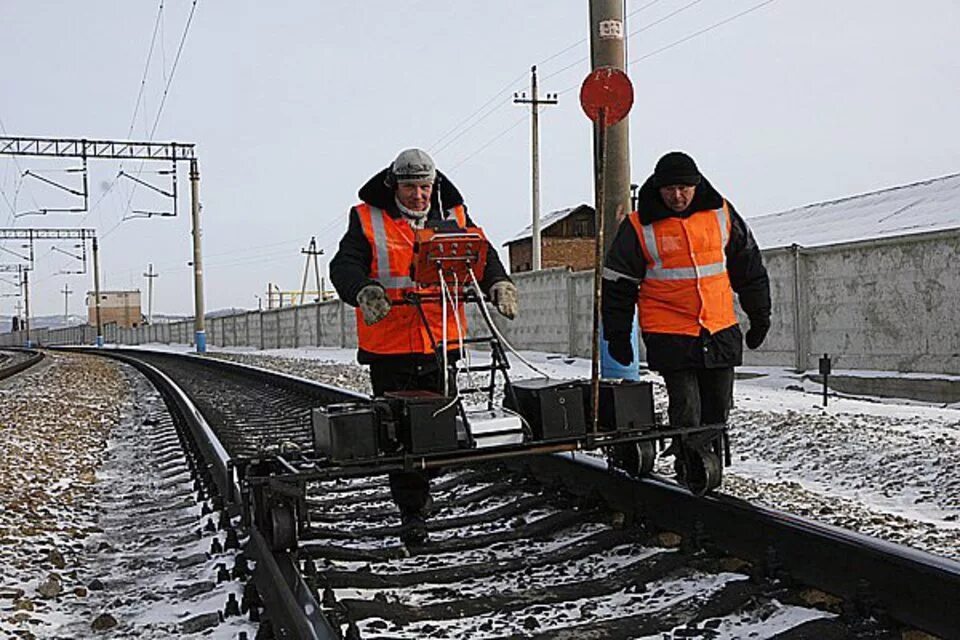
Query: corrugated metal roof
546,220
931,205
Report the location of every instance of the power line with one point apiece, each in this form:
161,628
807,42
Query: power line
491,141
173,69
163,102
505,89
513,84
146,68
467,130
702,31
685,38
630,35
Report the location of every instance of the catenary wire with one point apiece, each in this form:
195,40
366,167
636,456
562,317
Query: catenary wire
173,68
146,69
512,85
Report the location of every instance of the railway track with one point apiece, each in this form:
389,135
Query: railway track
536,547
13,361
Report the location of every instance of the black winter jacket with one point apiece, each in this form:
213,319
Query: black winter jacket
626,268
350,267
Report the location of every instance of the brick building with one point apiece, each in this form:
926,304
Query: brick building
119,307
566,240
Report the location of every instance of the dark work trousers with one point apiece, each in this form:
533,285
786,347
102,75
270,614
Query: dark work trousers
409,489
699,396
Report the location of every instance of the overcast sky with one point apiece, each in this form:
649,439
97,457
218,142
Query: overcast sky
294,104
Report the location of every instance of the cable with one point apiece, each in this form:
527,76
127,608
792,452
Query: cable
685,39
491,141
146,68
465,131
20,170
630,35
173,69
510,85
702,31
496,332
505,89
163,102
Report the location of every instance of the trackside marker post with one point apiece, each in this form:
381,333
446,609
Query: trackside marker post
606,96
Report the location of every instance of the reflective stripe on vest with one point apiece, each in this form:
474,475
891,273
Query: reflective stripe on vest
381,254
391,248
656,270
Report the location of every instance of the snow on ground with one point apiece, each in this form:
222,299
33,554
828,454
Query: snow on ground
99,518
878,466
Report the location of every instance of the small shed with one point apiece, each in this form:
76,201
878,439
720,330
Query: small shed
566,236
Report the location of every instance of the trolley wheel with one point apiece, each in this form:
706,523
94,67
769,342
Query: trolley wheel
636,458
699,471
283,527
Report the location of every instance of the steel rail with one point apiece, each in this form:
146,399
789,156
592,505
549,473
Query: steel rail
20,364
905,584
882,579
294,611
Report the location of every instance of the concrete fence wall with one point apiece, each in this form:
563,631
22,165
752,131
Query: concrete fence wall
890,304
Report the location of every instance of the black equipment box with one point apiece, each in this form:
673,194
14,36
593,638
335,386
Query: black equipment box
624,404
554,409
347,431
425,420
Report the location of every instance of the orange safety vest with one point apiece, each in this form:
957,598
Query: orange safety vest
686,288
403,331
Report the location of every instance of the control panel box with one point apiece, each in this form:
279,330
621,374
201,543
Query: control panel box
491,427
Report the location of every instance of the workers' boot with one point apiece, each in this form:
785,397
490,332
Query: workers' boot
413,528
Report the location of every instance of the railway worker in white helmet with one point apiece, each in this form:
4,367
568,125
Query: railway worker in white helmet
372,267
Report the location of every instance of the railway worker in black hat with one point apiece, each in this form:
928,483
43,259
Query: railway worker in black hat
678,259
372,267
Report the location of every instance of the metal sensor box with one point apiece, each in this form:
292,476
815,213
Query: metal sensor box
554,409
624,404
347,431
426,421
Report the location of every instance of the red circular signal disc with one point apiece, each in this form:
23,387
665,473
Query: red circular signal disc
610,89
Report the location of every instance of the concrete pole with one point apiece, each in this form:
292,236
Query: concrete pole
66,303
150,275
608,49
535,166
96,291
25,278
534,101
200,336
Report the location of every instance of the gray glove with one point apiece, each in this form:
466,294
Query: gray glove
504,297
374,304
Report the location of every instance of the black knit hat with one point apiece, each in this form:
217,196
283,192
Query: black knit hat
676,167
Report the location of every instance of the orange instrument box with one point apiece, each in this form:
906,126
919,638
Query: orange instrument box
454,253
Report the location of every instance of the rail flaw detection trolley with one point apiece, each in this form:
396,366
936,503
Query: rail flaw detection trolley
407,430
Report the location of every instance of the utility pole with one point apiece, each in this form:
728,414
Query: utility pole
608,45
96,291
534,101
66,303
198,324
24,277
608,49
311,252
150,275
